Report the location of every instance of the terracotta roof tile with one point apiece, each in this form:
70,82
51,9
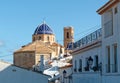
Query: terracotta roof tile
37,46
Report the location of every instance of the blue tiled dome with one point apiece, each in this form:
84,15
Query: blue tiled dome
43,29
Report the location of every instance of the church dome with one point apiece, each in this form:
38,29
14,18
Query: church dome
43,29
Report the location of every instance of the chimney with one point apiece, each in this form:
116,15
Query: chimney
41,63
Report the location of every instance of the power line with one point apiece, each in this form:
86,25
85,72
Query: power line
83,35
6,55
87,30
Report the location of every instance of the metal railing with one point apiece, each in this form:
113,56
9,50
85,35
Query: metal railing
88,39
111,68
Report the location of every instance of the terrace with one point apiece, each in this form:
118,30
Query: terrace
87,40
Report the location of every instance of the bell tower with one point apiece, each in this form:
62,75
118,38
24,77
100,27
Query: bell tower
68,35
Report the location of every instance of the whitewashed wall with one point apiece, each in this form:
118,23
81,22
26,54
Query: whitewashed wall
86,76
112,77
12,74
104,77
68,73
83,55
114,39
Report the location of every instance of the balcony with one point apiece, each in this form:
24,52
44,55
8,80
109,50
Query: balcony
111,68
88,39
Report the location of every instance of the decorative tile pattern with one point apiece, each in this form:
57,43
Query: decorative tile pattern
88,39
43,29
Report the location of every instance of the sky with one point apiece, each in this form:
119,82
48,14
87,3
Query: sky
19,19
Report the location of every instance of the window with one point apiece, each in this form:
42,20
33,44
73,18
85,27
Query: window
75,68
108,59
115,10
39,38
67,34
108,28
114,66
80,65
48,38
86,65
96,60
108,24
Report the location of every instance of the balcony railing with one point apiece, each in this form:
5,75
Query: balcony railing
111,68
88,39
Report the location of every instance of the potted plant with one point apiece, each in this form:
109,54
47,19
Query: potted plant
86,68
75,69
80,70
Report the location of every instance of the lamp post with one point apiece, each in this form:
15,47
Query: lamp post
100,68
64,75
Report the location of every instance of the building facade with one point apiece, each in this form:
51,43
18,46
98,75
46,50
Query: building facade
96,56
12,74
110,16
43,43
87,58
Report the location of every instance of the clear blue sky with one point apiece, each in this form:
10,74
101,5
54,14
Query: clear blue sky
19,19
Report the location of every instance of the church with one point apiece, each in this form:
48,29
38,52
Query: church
43,43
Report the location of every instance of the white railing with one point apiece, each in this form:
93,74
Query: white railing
88,39
111,68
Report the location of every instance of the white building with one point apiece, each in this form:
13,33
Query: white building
95,57
12,74
87,58
61,70
66,74
110,15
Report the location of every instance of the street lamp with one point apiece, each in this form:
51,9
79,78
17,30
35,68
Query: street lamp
90,62
100,68
64,75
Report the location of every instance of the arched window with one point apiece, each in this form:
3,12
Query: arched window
75,67
67,34
39,38
80,65
48,38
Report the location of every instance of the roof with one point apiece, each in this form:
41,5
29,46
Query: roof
56,44
61,64
66,66
4,64
36,46
107,6
43,29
